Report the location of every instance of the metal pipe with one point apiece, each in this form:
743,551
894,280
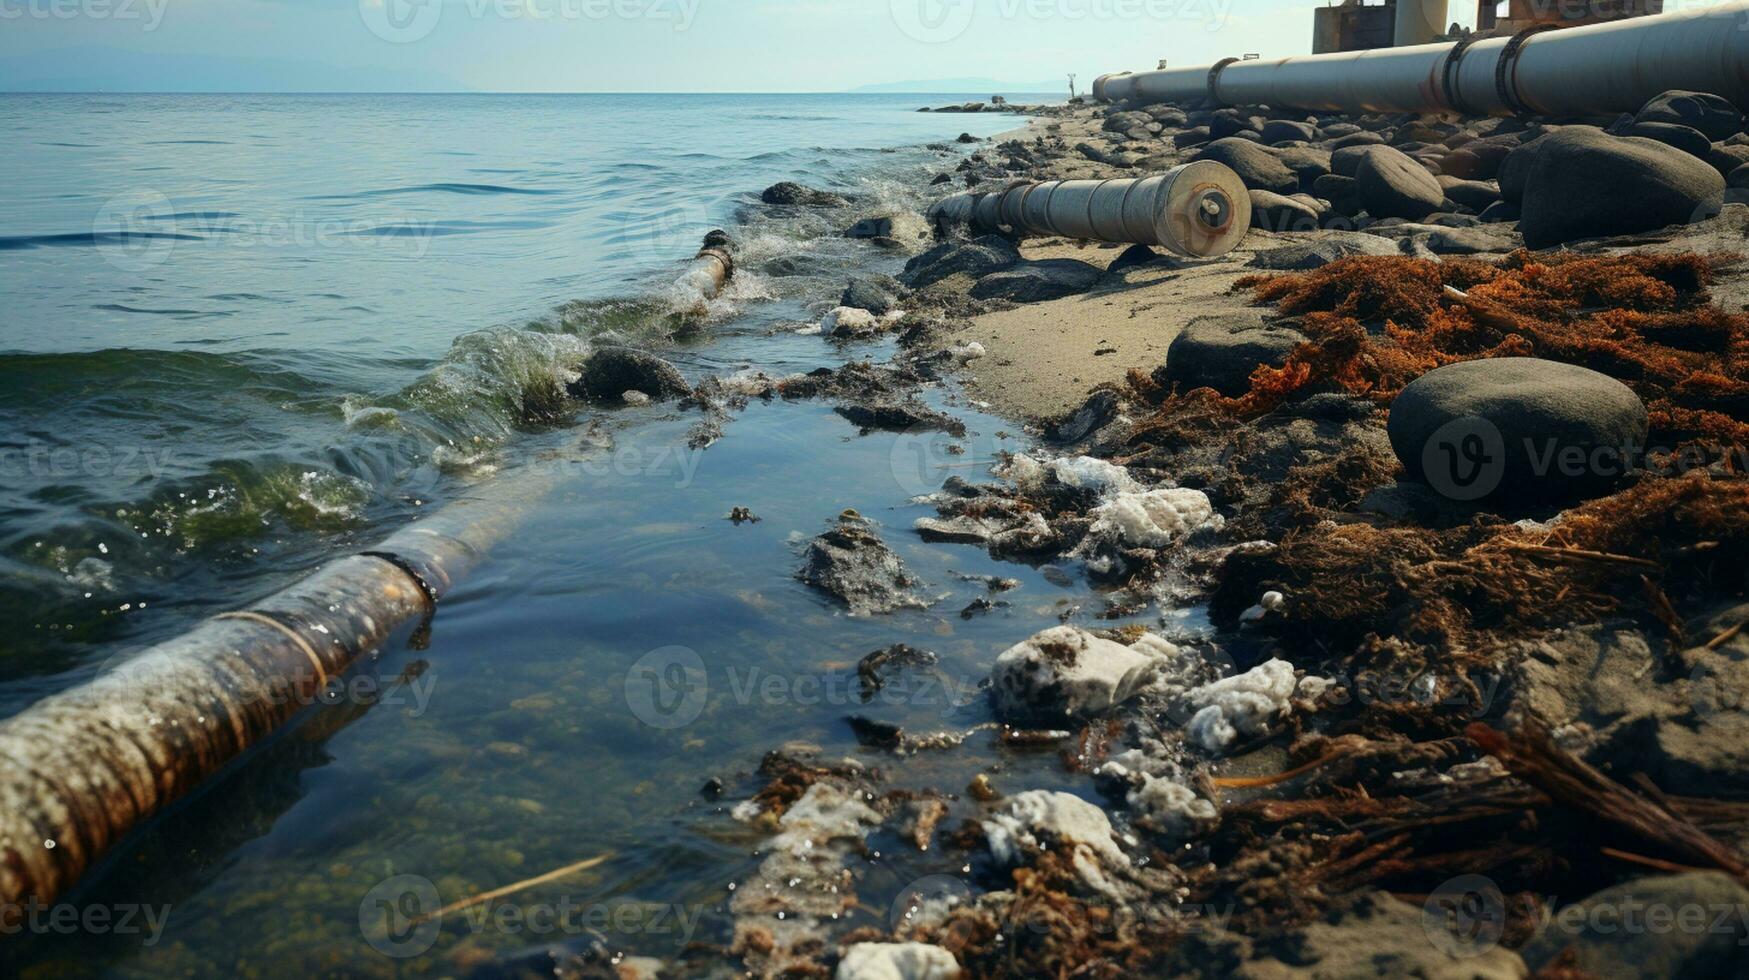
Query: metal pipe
1419,21
1594,69
85,767
1200,209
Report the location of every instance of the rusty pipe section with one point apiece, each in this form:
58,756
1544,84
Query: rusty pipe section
85,767
1595,69
710,269
1199,209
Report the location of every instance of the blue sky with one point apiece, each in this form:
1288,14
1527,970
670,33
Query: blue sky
616,45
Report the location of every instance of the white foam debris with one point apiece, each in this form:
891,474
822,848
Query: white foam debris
1169,807
1066,670
1153,519
964,353
848,321
897,961
1081,472
1244,704
1035,819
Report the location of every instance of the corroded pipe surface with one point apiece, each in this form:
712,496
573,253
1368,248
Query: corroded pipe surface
1199,209
1593,69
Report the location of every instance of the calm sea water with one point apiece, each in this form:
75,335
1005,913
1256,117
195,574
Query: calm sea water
242,335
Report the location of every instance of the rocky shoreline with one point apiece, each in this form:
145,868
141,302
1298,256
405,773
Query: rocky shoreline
1467,520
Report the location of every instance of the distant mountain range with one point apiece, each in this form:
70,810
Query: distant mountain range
978,86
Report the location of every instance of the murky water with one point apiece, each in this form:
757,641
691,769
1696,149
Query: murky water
625,646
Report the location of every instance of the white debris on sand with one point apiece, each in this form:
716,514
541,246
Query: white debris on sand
1168,807
1080,472
1033,820
1244,704
1153,519
1066,670
897,961
965,353
848,321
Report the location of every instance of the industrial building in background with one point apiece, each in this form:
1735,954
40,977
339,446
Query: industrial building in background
1356,25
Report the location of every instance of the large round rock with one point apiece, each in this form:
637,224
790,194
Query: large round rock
1220,352
1584,183
609,372
1712,115
1255,165
1517,429
1393,184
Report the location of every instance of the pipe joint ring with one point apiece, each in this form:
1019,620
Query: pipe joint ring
1505,70
1215,77
1449,81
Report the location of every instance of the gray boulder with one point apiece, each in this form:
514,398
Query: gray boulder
1256,166
1586,184
1345,162
851,562
1363,138
1739,178
1685,138
1515,169
1726,157
1517,429
1220,352
791,194
1687,925
1307,162
1393,185
978,257
1324,249
1473,194
1278,212
877,294
1035,282
608,373
1194,136
1712,115
1285,131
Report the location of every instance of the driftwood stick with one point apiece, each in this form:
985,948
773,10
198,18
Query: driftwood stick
513,888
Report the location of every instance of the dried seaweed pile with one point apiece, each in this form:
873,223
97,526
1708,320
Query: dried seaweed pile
1647,320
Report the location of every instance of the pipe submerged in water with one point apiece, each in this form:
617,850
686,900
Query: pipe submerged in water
83,768
1598,68
1199,209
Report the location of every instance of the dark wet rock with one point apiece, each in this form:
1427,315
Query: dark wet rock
1362,138
1307,162
851,562
1345,162
1518,429
1514,172
898,415
1714,116
1739,178
1278,212
1586,184
1221,352
1256,166
1100,410
1037,281
1500,212
1362,934
875,734
875,293
1194,136
1324,249
967,138
609,372
1468,241
791,194
1231,122
1686,925
1392,185
1727,157
874,669
871,397
1473,194
1685,138
742,515
1285,130
1133,257
712,789
976,258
